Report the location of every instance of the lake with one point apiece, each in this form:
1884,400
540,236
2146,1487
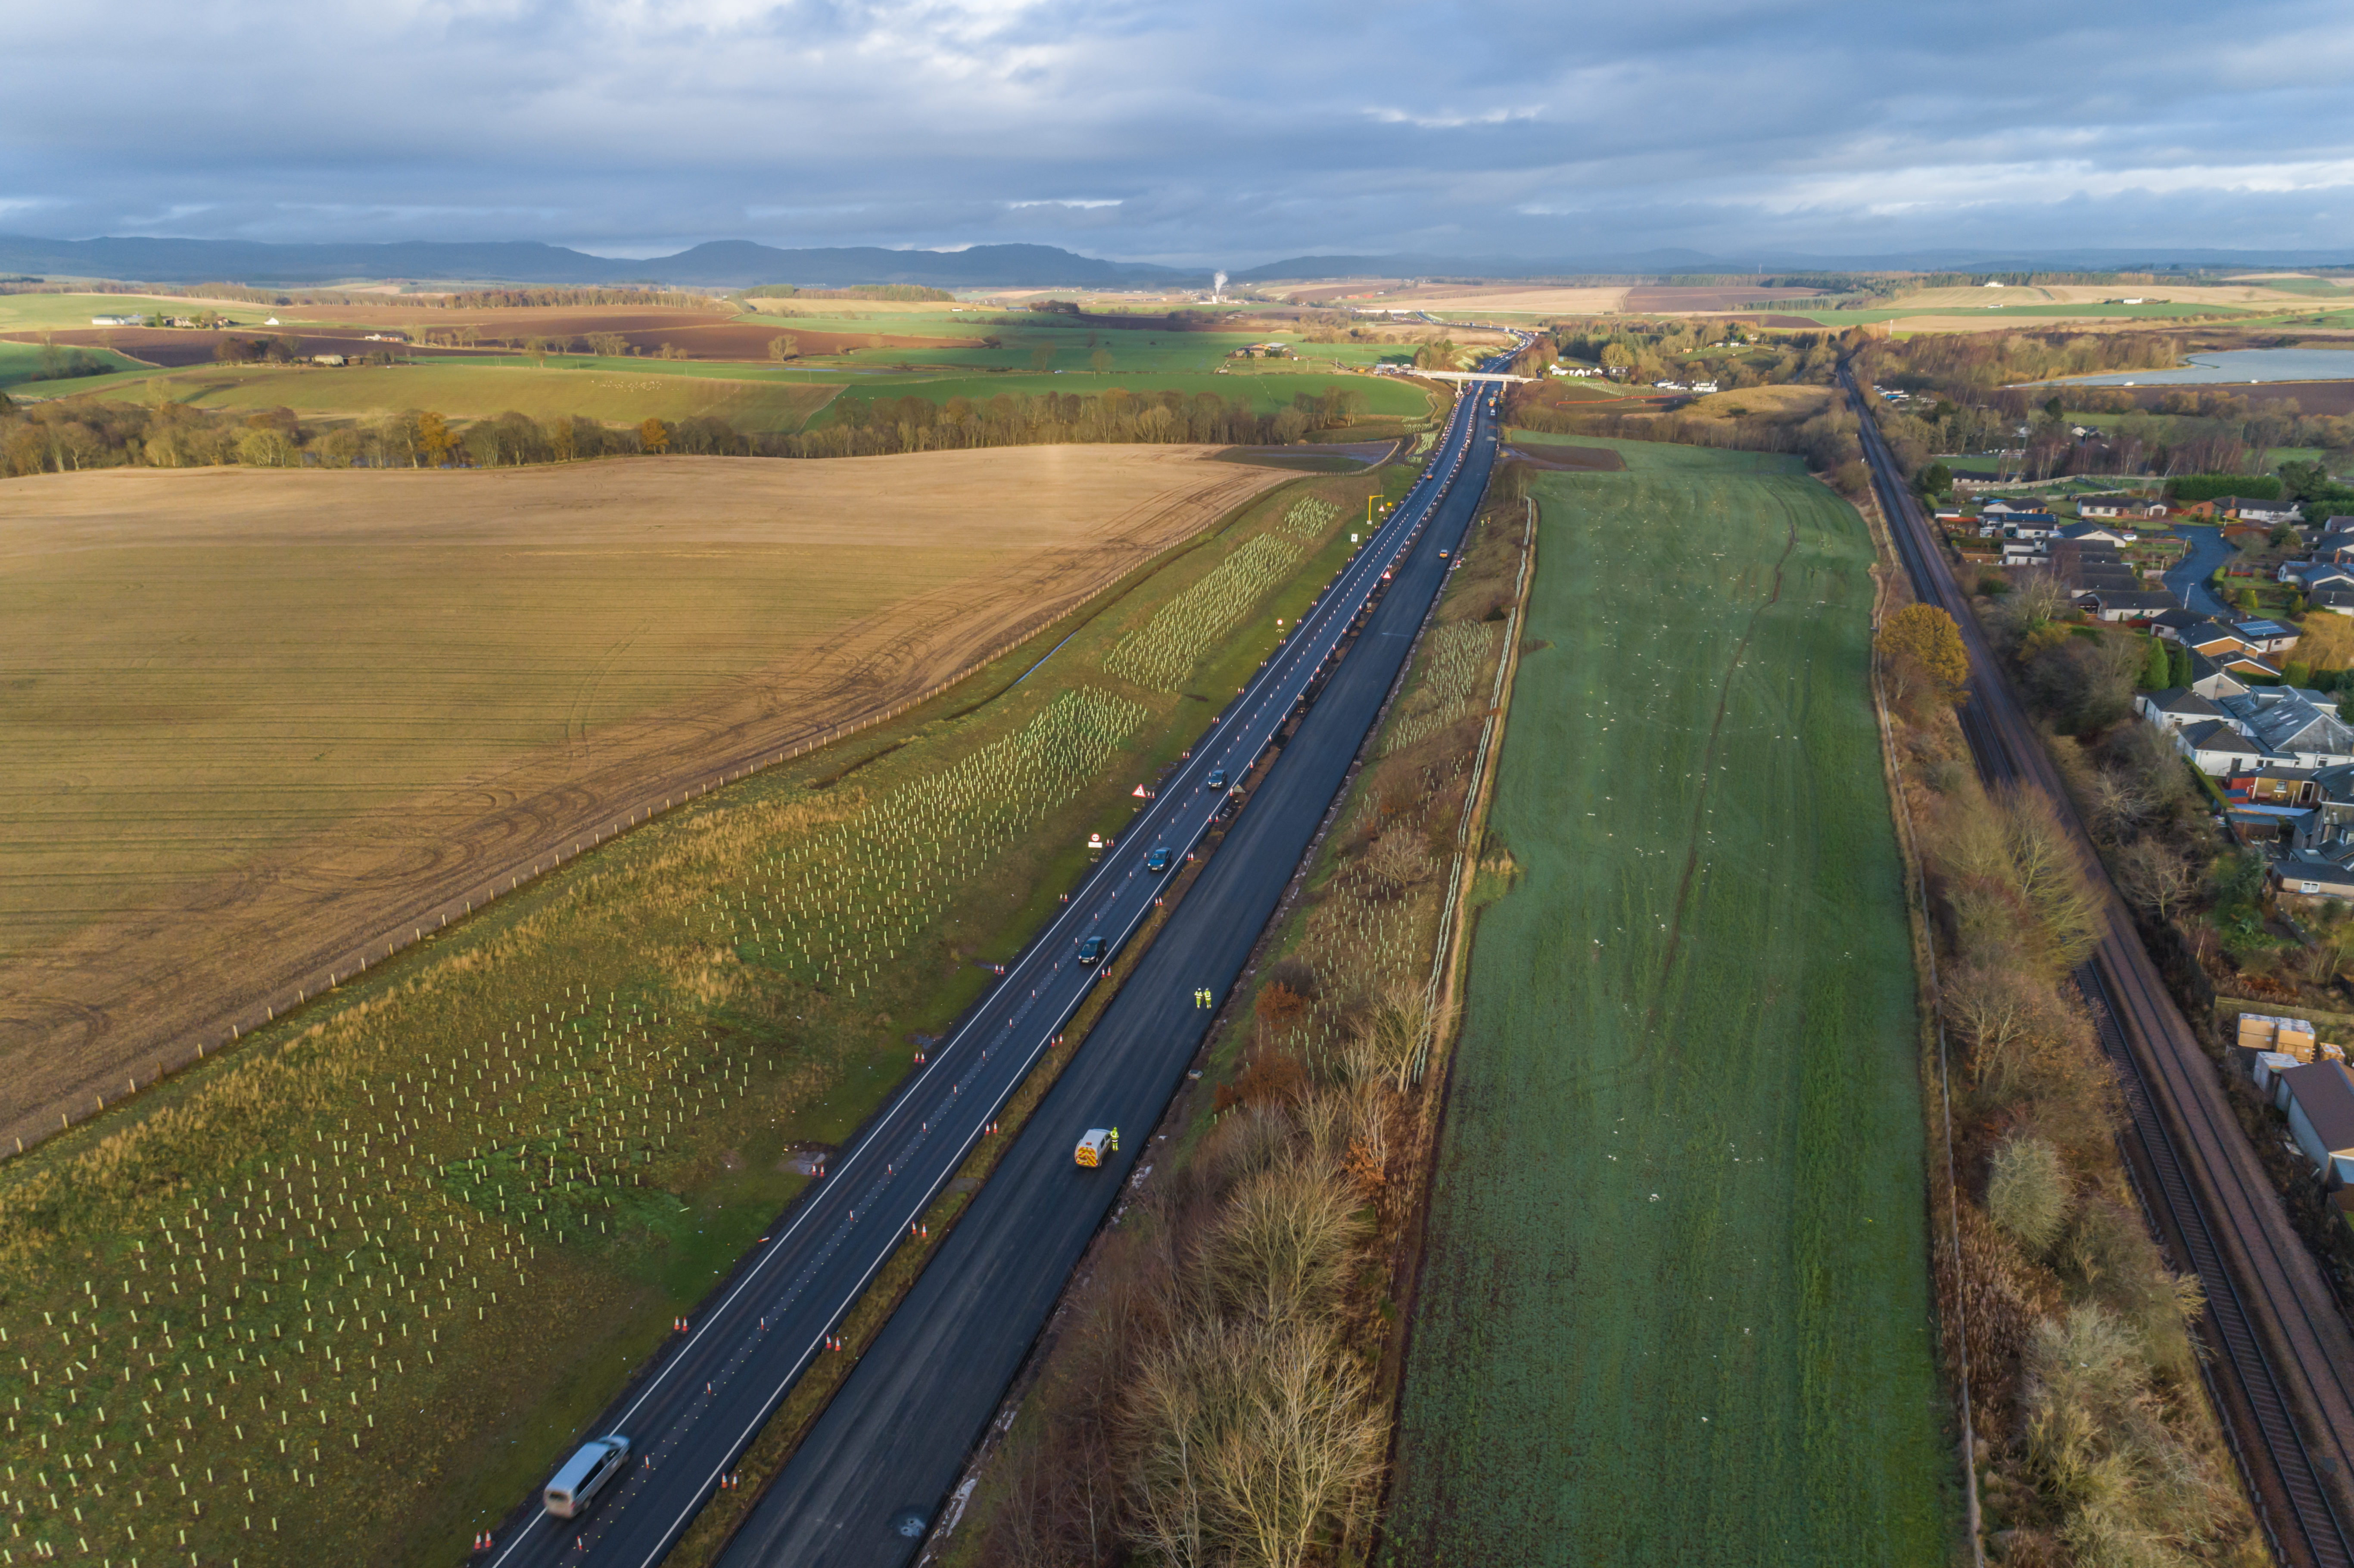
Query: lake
2236,366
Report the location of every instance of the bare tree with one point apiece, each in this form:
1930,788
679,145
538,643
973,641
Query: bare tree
2158,878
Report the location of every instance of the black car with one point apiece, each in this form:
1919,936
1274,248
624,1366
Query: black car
1158,861
1091,951
1217,777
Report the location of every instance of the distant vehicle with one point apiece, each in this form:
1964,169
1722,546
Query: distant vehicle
597,1461
1093,1147
1217,777
1158,861
1091,951
1442,555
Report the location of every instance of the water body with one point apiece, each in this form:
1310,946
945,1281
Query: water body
2236,366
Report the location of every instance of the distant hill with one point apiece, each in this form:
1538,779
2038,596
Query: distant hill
720,264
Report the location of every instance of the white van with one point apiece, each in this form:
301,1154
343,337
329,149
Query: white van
598,1461
1094,1147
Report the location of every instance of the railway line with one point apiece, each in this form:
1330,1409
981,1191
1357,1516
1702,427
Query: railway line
2280,1351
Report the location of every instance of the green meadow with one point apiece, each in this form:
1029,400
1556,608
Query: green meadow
1675,1304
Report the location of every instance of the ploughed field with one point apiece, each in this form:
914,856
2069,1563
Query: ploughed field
258,718
1675,1302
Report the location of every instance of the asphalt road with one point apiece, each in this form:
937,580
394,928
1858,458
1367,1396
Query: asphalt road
890,1442
2188,581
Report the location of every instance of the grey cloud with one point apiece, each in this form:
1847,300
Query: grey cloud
1225,132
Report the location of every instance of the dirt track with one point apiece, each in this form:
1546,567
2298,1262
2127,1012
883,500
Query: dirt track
132,993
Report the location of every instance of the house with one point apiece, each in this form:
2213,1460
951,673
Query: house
1998,506
2263,511
2337,598
2095,533
2171,624
2314,876
2293,727
2274,786
2087,567
2176,707
117,321
2118,506
2319,1100
2211,679
2030,525
2215,748
2266,636
2314,575
2220,643
2023,552
2125,604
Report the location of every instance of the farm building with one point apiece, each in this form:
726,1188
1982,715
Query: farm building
2319,1100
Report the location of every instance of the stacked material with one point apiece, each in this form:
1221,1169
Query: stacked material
2290,1036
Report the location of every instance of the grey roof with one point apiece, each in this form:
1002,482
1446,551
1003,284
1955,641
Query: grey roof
2261,628
2285,719
2182,701
2178,618
2324,1092
2215,735
2132,599
2299,867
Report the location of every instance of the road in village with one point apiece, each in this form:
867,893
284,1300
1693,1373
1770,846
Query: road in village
865,1486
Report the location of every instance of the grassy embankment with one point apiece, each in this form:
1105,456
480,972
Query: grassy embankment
1677,1227
1256,1263
568,1116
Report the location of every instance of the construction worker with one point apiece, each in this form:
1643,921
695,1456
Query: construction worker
1115,1141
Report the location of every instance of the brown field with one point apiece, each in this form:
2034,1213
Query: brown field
264,722
1668,300
705,337
2240,295
1787,403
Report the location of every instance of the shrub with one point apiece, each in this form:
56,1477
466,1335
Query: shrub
2027,1192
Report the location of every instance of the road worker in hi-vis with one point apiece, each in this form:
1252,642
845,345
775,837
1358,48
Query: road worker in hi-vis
1115,1141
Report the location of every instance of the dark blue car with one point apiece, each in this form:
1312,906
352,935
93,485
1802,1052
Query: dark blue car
1091,951
1158,861
1217,777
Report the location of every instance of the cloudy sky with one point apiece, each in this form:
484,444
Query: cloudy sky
1205,133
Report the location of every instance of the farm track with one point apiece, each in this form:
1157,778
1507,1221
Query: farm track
2281,1351
78,1024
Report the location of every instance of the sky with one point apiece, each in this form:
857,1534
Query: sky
1214,134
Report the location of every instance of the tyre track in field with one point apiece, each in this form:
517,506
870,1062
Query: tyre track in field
1707,769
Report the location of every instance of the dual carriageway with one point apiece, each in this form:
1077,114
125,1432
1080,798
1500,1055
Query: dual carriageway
865,1485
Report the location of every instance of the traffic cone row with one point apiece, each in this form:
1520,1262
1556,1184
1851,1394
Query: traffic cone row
921,1231
833,1342
729,1482
919,1059
481,1540
678,1325
989,1129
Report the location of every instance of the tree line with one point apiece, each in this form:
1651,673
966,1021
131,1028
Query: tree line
67,436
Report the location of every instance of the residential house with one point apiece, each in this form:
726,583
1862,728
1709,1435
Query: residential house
2313,875
1998,506
2293,727
2024,553
2097,534
2118,506
2273,785
2266,636
2319,1100
2171,624
2125,604
2258,729
2311,575
2338,599
2246,509
2176,708
2212,679
2220,643
2030,525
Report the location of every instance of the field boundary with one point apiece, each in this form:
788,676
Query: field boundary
656,797
1887,583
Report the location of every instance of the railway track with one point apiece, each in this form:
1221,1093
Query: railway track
2280,1352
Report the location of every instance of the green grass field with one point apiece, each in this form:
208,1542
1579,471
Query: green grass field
244,1293
1674,1308
20,361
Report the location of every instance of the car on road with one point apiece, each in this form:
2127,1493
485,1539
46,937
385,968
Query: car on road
1091,951
1158,861
596,1462
1217,777
1093,1146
